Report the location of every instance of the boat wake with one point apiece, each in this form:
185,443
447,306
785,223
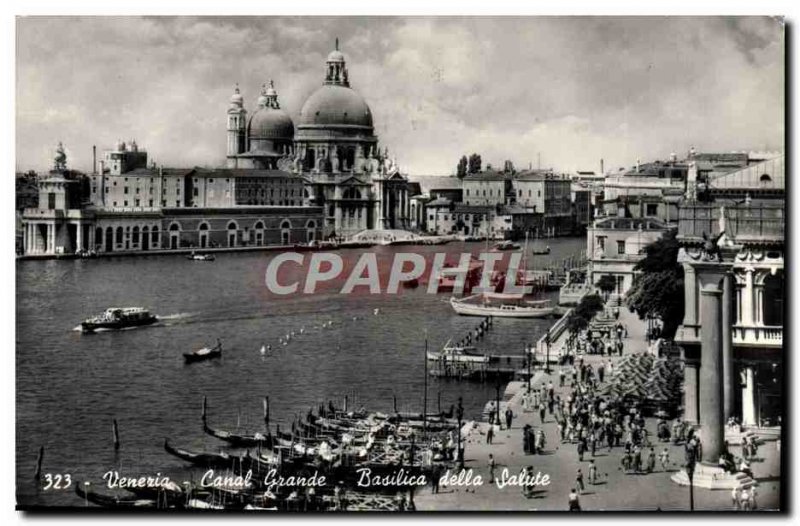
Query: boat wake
171,319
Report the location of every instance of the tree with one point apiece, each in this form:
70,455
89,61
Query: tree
607,283
589,306
474,163
461,169
658,288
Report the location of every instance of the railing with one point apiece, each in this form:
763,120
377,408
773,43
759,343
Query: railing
741,334
761,221
751,335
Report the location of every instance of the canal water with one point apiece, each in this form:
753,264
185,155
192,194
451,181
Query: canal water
70,386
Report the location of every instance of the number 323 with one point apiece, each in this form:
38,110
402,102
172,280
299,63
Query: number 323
57,481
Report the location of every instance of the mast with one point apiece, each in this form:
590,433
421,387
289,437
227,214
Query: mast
425,395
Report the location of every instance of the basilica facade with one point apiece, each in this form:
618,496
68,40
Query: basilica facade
333,147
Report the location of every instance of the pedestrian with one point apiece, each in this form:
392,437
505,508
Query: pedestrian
744,499
509,417
664,457
562,376
540,441
592,473
592,443
736,497
601,372
752,500
526,442
637,459
542,410
574,502
490,434
491,469
435,476
651,460
581,449
579,481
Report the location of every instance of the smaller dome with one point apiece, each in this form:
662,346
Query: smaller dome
237,98
336,56
270,123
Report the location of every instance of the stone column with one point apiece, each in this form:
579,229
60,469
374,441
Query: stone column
747,298
78,237
749,397
51,238
710,388
727,346
690,413
690,291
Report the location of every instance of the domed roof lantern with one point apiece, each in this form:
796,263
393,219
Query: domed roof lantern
262,99
236,98
337,69
272,96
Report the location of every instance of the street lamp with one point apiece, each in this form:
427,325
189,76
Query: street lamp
547,356
691,461
459,452
528,354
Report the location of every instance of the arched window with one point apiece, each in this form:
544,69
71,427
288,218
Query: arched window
286,233
352,193
259,229
135,236
233,234
174,236
773,301
154,235
202,237
120,233
765,180
311,226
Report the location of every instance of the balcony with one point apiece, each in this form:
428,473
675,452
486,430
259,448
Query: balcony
742,335
743,222
765,336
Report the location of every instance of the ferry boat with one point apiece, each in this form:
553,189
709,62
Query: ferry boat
119,318
457,353
502,306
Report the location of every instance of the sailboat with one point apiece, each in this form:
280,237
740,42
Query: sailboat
503,305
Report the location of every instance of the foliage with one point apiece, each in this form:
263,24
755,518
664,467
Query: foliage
606,283
658,288
461,169
474,163
589,306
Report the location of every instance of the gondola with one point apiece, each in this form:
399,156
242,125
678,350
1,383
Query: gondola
219,460
206,353
237,440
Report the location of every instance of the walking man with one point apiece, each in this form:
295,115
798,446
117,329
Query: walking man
491,469
579,481
592,473
542,410
574,503
509,417
490,434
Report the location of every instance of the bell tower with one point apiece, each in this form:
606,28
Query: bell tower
236,126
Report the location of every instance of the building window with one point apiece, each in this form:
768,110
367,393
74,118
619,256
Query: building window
125,203
194,191
151,203
620,247
177,204
652,209
126,190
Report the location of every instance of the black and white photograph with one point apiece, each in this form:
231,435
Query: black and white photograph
311,264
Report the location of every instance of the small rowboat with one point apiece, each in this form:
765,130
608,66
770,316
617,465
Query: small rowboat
200,257
206,353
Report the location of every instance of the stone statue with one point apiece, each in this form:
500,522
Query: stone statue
710,250
60,158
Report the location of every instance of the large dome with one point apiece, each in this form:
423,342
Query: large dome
270,123
336,105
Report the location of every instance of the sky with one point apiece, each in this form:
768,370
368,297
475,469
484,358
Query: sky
555,92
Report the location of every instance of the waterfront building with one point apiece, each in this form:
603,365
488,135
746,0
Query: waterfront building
485,188
615,244
732,251
128,206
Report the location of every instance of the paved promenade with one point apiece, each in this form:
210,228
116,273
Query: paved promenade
615,490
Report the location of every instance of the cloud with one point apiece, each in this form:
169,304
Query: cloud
571,90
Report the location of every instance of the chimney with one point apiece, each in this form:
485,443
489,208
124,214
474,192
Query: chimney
602,170
94,159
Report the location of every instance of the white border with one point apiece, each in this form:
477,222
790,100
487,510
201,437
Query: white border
331,7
